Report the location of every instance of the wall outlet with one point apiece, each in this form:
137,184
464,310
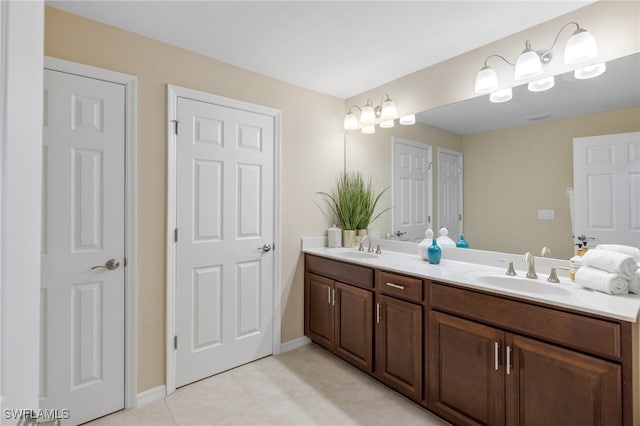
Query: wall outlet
546,214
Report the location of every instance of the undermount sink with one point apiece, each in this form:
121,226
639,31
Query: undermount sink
522,284
359,255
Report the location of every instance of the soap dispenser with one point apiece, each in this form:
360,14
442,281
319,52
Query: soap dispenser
462,243
425,244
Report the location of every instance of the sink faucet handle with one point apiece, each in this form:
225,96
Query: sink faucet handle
553,276
510,270
378,251
545,252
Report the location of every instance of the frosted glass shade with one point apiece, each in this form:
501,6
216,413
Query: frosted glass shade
542,84
368,115
388,111
590,71
486,80
408,120
580,47
500,96
386,124
350,121
367,130
528,65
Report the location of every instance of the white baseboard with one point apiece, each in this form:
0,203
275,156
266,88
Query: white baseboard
151,395
292,344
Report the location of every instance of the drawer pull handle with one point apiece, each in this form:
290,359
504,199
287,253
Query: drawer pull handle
399,287
377,313
496,351
508,360
329,295
334,298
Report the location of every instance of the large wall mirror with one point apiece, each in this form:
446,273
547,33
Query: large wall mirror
517,156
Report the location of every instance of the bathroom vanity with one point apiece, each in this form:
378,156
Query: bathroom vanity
472,346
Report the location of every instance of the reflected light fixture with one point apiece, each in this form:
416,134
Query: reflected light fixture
580,49
383,115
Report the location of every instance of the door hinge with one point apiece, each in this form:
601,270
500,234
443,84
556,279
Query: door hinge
124,261
175,235
175,342
429,165
428,219
459,216
175,129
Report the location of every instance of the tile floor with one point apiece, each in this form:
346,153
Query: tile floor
307,386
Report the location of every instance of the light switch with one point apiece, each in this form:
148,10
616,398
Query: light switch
546,214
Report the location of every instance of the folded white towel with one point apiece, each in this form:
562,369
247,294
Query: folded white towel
611,261
634,283
597,279
620,248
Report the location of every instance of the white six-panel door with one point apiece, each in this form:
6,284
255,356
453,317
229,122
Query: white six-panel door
450,192
82,303
606,180
412,189
224,258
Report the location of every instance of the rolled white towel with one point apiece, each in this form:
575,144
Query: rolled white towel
611,261
620,248
634,283
597,279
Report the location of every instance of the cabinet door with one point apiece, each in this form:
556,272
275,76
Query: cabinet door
354,326
399,345
550,385
466,376
318,304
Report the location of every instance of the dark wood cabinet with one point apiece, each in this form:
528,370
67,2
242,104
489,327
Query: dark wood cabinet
399,345
548,384
339,317
484,375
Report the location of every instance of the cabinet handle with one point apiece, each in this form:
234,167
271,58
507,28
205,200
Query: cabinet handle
334,298
508,360
496,351
377,313
400,287
329,295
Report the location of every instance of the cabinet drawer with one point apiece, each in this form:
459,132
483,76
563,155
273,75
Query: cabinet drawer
400,286
576,331
360,276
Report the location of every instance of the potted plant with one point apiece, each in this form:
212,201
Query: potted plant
353,204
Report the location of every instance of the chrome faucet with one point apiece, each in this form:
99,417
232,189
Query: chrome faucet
365,238
531,272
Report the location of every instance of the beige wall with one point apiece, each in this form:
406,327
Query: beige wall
312,156
371,155
509,174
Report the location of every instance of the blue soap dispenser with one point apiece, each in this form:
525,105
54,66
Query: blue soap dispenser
462,243
435,253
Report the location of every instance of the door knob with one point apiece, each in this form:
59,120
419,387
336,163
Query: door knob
265,248
110,265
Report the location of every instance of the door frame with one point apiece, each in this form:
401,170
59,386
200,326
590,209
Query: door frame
460,156
173,92
429,148
130,84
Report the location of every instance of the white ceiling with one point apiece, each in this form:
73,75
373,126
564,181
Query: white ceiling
340,48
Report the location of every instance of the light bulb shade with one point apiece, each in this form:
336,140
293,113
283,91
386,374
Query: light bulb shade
350,121
528,65
386,124
389,111
368,130
500,96
590,71
542,84
486,80
580,47
368,115
408,120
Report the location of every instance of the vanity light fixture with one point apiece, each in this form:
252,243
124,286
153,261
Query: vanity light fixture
370,115
580,48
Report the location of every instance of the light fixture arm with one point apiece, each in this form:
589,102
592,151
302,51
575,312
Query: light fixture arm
353,106
555,41
497,56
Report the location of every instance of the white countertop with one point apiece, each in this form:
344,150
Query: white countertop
475,276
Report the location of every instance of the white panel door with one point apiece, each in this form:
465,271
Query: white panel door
412,189
224,270
82,306
450,192
606,180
